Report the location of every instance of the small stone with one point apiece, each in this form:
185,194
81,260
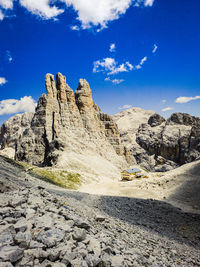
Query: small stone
51,237
79,234
21,225
11,253
5,264
81,224
23,239
6,235
100,218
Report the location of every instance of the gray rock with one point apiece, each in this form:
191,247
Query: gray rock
11,253
79,234
51,237
82,224
6,235
100,218
68,121
21,225
155,120
5,264
23,239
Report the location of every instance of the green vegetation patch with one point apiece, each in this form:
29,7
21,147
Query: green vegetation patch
58,177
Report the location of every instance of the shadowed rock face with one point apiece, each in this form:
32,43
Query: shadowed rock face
65,121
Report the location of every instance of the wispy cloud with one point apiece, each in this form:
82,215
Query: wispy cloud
9,57
1,15
155,47
148,2
110,66
139,66
164,101
125,107
2,80
12,106
185,99
115,81
75,28
112,47
167,109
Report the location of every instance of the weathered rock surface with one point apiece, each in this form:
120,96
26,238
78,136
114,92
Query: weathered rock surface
67,122
13,128
101,230
158,144
177,139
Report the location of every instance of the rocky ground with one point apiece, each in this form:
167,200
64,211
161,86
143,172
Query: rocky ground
44,225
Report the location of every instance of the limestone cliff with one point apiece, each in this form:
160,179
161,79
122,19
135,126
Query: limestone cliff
13,128
65,123
158,144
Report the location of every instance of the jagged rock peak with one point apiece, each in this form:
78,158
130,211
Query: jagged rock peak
83,96
50,86
155,120
184,119
83,89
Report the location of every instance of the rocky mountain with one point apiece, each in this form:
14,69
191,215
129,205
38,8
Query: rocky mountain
67,130
13,128
158,144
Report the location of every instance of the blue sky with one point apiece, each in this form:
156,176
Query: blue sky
139,53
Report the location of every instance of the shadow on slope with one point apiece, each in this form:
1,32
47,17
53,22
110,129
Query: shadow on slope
152,215
188,193
155,216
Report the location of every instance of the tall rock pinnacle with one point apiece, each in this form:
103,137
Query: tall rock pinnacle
65,122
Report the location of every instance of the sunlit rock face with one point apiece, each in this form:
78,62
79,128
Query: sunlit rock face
65,121
177,139
13,128
158,144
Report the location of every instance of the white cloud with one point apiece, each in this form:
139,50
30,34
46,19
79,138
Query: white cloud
115,81
167,109
2,80
98,12
75,28
9,57
155,47
125,107
42,8
164,101
110,66
139,66
12,106
6,4
112,48
90,13
1,15
148,2
105,64
185,99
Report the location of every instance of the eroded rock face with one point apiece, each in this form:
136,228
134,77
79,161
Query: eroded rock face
65,121
13,128
155,120
177,140
157,144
